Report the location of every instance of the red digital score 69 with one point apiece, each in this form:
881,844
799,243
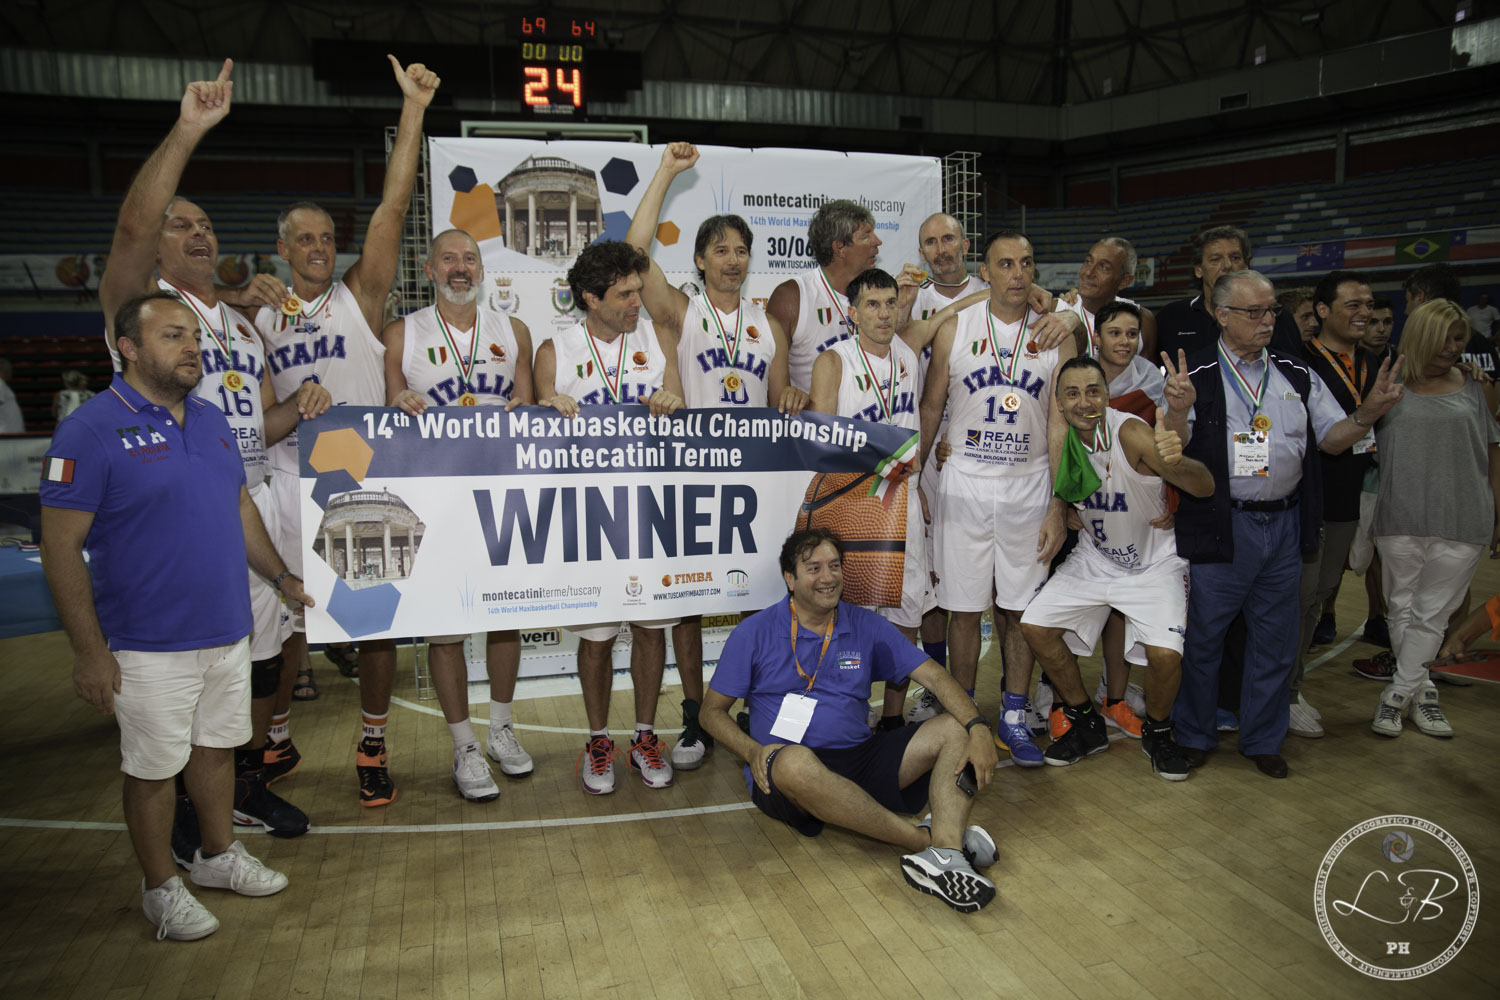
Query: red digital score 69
555,27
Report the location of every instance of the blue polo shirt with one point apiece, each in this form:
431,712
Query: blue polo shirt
167,548
756,665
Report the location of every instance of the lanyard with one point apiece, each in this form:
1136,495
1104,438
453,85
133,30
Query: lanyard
205,324
458,359
1242,388
1337,361
1102,437
732,350
1015,354
888,399
827,638
1083,314
843,316
612,390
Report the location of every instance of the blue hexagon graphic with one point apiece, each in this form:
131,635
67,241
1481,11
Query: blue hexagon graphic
329,483
366,611
616,225
619,176
462,179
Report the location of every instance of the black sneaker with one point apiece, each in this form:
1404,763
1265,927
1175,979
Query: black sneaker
375,785
1167,758
1377,632
1325,631
256,805
1085,736
281,759
186,838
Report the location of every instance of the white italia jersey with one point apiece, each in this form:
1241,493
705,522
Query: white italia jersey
997,421
861,399
637,353
929,299
234,362
822,321
709,379
1117,518
430,367
1088,319
329,342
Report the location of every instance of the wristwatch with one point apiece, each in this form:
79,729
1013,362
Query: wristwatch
978,720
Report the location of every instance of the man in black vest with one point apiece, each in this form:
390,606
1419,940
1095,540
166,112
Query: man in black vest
1189,324
1344,307
1254,415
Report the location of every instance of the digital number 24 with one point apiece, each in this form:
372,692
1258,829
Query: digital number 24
537,83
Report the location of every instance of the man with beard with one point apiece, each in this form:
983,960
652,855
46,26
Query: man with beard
457,353
160,630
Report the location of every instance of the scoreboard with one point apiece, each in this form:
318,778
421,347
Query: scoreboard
554,80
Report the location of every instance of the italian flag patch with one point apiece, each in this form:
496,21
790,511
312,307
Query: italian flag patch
57,470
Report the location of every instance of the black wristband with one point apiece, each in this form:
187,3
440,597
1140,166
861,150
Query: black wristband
977,720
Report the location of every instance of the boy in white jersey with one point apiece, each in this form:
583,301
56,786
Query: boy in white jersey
325,331
458,353
873,376
613,357
175,235
1114,470
729,353
996,526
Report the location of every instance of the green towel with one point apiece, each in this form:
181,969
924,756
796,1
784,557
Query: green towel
1076,478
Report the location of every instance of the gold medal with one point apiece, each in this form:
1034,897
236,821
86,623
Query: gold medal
292,306
1011,402
233,382
1261,423
468,399
732,382
1032,348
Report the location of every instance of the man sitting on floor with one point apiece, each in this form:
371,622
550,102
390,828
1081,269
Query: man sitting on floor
810,755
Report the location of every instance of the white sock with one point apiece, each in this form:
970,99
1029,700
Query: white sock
642,727
599,732
499,713
462,733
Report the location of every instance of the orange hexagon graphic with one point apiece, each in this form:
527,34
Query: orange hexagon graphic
667,233
341,449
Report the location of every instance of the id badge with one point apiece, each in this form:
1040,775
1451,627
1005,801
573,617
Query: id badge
1252,453
1365,444
793,718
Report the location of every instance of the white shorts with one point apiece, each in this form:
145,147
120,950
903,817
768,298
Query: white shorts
985,529
606,631
286,497
1079,596
916,583
272,617
171,702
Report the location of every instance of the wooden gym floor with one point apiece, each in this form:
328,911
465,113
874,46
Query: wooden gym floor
1112,883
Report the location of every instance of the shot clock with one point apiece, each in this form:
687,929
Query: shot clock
554,73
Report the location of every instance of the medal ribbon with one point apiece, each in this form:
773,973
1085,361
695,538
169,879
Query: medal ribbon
612,390
205,324
733,350
1242,387
843,316
1337,361
307,311
888,399
827,638
458,361
1015,354
1102,437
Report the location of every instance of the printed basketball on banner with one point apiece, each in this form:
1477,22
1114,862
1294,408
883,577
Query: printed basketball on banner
873,532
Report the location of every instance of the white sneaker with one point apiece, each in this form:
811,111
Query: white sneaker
1042,700
925,707
1426,715
596,766
645,757
175,912
979,847
1035,720
688,752
1303,702
947,875
504,749
1388,711
1302,720
235,869
472,775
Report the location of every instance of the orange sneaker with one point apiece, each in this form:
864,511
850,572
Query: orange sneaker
1057,722
1123,718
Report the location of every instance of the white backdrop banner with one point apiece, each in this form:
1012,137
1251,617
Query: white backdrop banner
470,519
532,205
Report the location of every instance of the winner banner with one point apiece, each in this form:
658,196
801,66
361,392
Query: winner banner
466,520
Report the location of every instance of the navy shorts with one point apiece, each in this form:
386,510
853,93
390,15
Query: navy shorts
874,765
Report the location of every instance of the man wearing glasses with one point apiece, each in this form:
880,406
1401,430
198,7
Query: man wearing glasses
1255,412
